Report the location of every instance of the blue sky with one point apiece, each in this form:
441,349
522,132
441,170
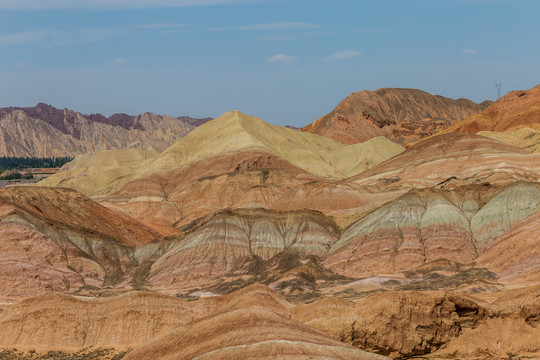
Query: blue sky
286,61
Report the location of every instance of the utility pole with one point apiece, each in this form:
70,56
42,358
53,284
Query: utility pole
498,86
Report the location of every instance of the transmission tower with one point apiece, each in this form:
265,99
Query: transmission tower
498,86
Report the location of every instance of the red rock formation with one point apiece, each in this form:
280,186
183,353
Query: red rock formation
246,179
401,115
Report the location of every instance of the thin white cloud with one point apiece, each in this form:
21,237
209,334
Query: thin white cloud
278,38
20,65
22,37
50,37
469,51
284,25
278,26
117,62
109,4
342,55
282,59
160,26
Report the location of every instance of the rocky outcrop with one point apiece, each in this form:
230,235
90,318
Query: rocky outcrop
399,324
256,322
401,115
250,323
44,131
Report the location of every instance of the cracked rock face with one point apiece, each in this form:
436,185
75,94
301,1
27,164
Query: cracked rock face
402,323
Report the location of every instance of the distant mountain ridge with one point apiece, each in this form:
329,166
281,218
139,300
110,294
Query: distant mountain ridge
400,115
44,130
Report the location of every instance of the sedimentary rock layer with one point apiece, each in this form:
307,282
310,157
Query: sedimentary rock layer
424,226
515,256
464,158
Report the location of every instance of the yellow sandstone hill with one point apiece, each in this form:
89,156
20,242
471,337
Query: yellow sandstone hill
231,133
89,173
524,138
234,131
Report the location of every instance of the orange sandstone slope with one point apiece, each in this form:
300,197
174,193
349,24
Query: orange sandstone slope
251,323
58,239
70,209
401,115
247,334
517,109
257,323
174,199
